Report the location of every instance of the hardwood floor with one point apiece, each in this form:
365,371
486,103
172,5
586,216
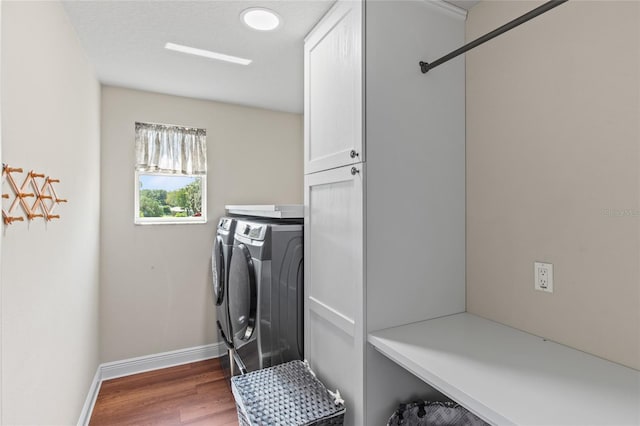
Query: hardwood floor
191,394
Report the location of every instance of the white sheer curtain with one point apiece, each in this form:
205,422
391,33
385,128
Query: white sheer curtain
171,149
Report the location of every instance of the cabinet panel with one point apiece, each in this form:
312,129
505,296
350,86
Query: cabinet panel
333,89
415,159
334,296
335,222
337,363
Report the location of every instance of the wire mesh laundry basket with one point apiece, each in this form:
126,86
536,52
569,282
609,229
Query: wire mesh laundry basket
286,394
426,413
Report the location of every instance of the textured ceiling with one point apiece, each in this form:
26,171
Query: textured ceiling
125,41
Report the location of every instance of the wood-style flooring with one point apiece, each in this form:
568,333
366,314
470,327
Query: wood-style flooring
190,394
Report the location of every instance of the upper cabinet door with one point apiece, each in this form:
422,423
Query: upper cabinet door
333,55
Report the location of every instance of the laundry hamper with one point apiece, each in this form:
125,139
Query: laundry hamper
426,413
287,394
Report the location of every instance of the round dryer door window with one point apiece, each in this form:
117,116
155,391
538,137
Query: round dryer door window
242,293
217,267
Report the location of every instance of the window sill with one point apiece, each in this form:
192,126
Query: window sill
171,222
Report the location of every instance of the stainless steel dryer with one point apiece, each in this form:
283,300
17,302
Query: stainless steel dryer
266,293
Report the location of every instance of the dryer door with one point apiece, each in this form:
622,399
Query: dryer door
218,269
242,293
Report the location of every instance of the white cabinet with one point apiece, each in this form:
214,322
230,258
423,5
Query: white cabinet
384,245
334,203
333,90
334,323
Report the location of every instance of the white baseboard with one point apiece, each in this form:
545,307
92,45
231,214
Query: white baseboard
127,367
90,401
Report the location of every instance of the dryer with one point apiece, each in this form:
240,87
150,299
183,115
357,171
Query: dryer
266,293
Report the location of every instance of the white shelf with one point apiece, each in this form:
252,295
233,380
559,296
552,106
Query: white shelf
507,376
277,211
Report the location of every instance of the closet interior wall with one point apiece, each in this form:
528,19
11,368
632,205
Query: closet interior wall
553,173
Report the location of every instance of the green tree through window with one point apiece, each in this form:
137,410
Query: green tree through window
169,197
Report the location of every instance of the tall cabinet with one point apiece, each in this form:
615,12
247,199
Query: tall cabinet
384,190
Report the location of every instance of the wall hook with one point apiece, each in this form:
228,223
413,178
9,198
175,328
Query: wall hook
30,188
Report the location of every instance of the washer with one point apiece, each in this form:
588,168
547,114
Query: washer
266,293
220,261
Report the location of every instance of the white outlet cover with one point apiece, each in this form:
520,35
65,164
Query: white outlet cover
543,276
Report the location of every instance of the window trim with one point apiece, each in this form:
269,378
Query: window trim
137,220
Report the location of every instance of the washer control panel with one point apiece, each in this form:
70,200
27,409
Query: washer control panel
225,223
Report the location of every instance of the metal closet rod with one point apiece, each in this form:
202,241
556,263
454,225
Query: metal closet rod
426,66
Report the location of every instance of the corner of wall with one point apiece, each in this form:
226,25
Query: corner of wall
50,109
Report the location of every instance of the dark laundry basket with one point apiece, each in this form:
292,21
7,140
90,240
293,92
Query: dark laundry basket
287,394
425,413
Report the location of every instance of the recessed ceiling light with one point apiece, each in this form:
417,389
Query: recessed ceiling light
207,54
260,19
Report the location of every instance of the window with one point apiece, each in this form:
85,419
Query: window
170,175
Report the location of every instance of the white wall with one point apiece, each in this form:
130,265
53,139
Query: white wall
50,117
0,238
155,283
553,173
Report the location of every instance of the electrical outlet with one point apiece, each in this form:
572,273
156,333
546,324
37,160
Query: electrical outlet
543,276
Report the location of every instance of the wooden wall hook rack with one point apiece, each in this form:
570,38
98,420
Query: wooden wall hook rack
46,198
8,220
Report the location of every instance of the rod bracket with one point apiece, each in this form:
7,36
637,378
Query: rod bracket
424,67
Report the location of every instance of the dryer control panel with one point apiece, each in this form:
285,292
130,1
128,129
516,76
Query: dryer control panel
254,231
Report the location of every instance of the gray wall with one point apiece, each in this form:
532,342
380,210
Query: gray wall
155,292
553,173
50,117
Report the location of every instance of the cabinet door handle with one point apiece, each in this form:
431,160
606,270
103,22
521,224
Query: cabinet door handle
353,154
354,171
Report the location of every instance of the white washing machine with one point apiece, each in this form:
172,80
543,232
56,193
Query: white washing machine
266,293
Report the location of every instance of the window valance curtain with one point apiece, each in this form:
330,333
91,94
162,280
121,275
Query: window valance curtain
170,149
